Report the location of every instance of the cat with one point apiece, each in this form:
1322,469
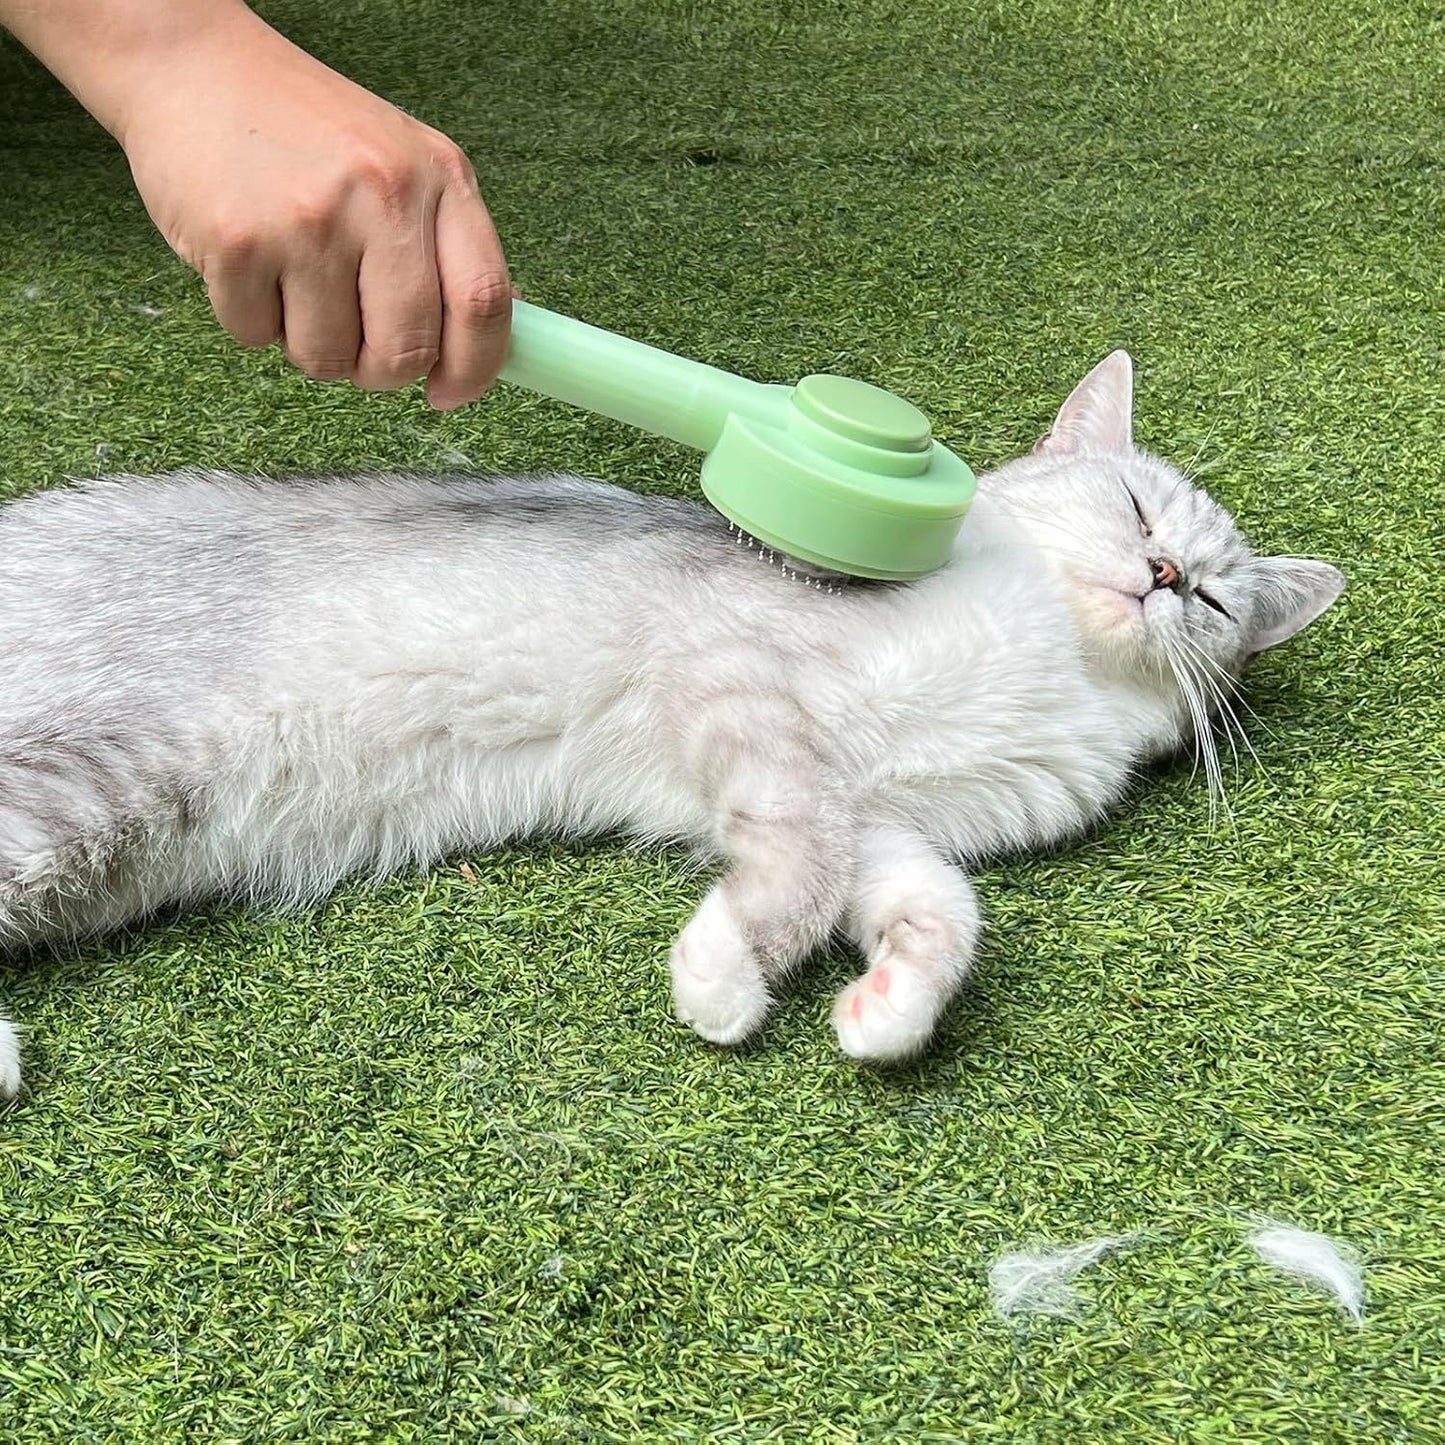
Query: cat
221,685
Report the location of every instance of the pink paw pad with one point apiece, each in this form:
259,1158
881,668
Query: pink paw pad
882,978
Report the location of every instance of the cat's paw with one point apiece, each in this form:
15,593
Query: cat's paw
886,1015
9,1060
717,986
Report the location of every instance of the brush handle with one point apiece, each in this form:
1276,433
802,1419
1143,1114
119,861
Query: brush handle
630,381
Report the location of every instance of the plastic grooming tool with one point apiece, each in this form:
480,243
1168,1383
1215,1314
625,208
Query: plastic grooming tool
833,472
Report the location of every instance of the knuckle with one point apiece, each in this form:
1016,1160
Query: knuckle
235,247
450,162
386,175
314,219
396,366
417,358
484,299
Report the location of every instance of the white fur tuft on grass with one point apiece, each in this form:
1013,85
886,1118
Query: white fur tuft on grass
1316,1258
9,1059
1041,1281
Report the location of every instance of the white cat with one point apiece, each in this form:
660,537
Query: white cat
212,684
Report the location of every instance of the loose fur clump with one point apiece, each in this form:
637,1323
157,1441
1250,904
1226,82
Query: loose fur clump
1315,1258
221,685
1041,1281
9,1059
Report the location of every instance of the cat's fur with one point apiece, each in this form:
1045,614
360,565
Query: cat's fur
218,685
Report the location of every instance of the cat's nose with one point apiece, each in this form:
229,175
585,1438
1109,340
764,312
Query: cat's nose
1166,574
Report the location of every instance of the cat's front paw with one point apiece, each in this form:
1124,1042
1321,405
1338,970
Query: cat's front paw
717,986
9,1060
886,1015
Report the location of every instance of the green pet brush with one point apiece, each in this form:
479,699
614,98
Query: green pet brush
831,471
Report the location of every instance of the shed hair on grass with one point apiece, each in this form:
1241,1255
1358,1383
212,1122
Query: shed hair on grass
1315,1258
1041,1281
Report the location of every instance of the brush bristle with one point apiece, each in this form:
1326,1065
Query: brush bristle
788,566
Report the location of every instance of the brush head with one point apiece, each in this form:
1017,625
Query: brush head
843,475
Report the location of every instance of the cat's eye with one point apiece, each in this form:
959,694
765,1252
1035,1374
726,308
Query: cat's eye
1209,601
1139,511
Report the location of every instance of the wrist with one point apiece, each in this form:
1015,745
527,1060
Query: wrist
113,55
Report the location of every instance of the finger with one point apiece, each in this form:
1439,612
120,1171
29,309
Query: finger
476,300
247,304
321,317
401,310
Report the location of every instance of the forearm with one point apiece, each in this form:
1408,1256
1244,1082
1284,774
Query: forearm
317,213
105,51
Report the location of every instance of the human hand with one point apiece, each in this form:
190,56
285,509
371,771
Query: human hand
319,215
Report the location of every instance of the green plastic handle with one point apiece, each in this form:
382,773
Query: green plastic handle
644,386
834,471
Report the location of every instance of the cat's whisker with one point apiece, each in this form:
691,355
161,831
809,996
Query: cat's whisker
1223,676
1193,686
1232,726
1187,692
1187,472
1232,686
1226,692
1209,702
1210,698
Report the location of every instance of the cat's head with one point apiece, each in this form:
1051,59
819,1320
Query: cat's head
1163,585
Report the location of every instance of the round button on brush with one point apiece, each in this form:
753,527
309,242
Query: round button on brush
863,413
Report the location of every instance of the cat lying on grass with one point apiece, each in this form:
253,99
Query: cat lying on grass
220,685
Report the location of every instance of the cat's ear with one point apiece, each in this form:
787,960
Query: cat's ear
1099,413
1290,593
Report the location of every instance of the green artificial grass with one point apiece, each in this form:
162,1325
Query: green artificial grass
432,1161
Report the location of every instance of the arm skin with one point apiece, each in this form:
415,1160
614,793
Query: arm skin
317,214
